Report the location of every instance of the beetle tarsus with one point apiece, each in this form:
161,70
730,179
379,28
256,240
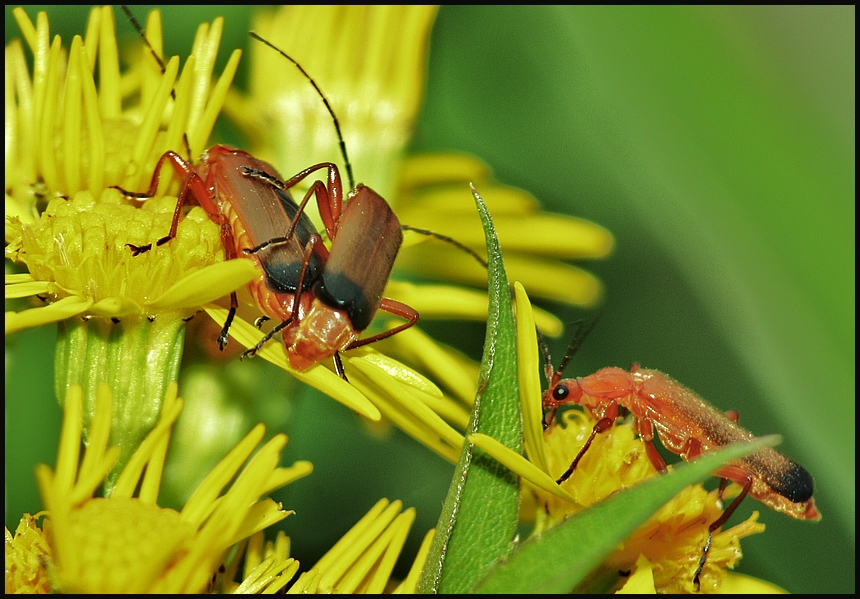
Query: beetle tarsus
264,176
222,338
266,244
138,195
705,550
338,367
222,341
136,250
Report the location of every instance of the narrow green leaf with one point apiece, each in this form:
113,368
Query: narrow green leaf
479,517
560,558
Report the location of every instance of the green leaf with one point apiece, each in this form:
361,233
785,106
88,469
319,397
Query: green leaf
479,517
559,559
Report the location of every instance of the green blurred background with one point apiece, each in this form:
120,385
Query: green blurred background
717,144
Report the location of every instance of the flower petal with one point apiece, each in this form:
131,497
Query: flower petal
399,372
317,376
207,284
59,310
520,466
447,301
418,419
529,380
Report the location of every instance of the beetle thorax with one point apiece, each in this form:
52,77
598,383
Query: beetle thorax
321,333
596,404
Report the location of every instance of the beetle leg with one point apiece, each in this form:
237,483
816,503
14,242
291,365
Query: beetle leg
329,197
191,184
182,168
715,525
645,428
263,176
549,418
392,307
227,241
330,209
734,416
338,367
293,311
234,305
329,206
603,425
693,449
277,329
655,457
323,199
317,189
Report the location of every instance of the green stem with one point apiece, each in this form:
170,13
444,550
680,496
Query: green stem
136,357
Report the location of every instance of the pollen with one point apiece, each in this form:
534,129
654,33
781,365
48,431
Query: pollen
27,556
128,542
80,247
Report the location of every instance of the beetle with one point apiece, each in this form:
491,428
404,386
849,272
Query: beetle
688,426
323,298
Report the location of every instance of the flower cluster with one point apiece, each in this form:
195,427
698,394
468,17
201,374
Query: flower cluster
127,543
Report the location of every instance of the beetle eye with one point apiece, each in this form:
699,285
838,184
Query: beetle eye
560,393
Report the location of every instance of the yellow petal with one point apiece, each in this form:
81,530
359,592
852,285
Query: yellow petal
641,581
59,310
519,465
735,583
207,284
401,373
431,169
317,376
529,380
407,398
26,289
446,365
448,301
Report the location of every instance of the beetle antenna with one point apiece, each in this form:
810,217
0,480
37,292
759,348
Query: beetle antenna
547,360
447,239
324,99
342,144
136,24
583,328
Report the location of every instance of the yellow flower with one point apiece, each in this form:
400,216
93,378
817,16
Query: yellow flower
434,194
125,542
68,141
121,317
360,562
671,541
